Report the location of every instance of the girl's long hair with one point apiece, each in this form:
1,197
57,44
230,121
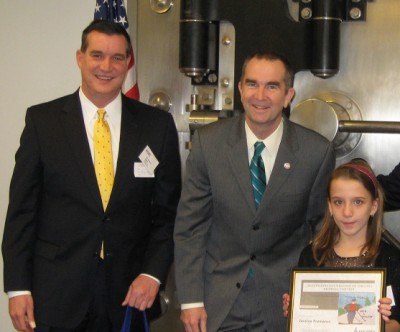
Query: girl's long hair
327,237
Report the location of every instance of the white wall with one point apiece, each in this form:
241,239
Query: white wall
38,40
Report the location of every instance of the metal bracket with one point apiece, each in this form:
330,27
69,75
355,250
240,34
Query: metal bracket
352,10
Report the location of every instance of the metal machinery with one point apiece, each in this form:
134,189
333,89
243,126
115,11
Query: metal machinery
346,55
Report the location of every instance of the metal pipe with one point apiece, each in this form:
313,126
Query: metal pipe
385,127
326,19
198,119
196,38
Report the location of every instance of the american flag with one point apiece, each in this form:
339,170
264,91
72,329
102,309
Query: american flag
114,10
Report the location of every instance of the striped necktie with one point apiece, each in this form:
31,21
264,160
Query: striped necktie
103,160
257,172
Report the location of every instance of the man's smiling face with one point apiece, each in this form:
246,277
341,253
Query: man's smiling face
103,66
264,95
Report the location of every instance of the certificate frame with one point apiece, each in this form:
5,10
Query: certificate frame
337,300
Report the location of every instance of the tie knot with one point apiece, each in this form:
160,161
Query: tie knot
258,148
101,112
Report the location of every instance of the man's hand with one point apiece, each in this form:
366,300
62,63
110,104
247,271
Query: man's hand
21,312
285,304
194,319
385,308
141,293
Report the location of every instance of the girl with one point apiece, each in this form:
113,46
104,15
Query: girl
350,236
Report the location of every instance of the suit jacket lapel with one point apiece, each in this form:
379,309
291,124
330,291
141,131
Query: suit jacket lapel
76,135
285,161
128,146
239,160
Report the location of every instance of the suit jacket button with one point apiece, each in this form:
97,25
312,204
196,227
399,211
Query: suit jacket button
253,257
256,227
238,285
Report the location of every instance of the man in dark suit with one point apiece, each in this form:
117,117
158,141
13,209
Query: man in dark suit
391,187
232,258
71,261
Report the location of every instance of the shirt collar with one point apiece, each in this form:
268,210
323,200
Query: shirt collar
89,109
272,142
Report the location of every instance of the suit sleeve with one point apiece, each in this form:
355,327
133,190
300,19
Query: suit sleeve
24,200
318,195
191,227
166,193
391,187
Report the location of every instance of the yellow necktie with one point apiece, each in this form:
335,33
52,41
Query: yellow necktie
103,161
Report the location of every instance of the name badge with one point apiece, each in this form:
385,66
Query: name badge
145,168
141,171
148,159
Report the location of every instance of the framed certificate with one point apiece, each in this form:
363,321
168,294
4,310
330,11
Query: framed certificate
333,300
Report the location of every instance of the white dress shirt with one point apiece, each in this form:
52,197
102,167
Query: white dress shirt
113,118
270,152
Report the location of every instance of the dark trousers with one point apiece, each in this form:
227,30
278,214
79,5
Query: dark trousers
97,319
